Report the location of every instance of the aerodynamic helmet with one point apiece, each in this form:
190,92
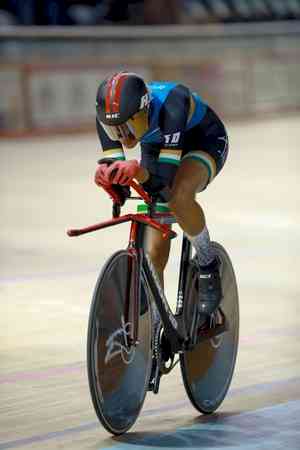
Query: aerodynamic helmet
122,105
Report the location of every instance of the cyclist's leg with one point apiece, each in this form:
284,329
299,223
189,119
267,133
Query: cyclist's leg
191,177
158,250
204,155
195,172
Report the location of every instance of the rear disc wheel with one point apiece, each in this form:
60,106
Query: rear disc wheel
207,370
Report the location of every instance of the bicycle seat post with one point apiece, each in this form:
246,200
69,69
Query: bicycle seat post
152,208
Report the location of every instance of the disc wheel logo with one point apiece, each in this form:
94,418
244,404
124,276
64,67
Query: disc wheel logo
118,344
216,319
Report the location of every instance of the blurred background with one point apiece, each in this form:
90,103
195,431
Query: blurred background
242,55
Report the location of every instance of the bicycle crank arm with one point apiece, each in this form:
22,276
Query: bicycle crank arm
160,370
156,379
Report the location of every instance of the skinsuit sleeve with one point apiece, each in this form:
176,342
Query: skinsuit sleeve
163,160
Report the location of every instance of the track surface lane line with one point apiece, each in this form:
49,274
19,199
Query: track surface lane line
267,428
262,387
79,366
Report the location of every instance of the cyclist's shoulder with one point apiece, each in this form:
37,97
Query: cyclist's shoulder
166,94
162,88
158,86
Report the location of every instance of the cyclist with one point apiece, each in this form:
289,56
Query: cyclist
184,145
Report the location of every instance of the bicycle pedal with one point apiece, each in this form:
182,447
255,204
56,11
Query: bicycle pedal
165,369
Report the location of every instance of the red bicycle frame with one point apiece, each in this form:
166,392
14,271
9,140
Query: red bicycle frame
176,333
136,220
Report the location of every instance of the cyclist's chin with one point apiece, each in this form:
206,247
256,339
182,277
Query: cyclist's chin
129,142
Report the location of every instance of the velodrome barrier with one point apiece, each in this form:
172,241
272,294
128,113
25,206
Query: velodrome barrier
48,77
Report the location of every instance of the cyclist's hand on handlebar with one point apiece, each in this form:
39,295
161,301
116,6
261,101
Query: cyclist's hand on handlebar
100,176
122,172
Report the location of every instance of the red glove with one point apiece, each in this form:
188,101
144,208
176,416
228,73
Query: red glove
100,178
122,172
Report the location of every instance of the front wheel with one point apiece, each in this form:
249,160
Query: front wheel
207,370
118,372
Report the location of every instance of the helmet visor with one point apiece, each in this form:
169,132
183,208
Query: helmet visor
118,132
135,127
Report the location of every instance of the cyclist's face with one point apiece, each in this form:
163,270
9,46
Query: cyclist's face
138,123
137,126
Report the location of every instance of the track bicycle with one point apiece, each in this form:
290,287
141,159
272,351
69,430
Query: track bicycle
133,335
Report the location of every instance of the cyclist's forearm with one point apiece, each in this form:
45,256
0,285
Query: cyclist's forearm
143,175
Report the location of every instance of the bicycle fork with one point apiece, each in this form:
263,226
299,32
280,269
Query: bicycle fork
132,309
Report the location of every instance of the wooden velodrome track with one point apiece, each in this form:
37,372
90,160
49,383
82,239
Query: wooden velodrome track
47,281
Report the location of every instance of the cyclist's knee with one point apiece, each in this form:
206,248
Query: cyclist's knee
191,177
181,195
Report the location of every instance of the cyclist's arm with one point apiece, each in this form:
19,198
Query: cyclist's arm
173,118
143,175
150,177
161,160
110,149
